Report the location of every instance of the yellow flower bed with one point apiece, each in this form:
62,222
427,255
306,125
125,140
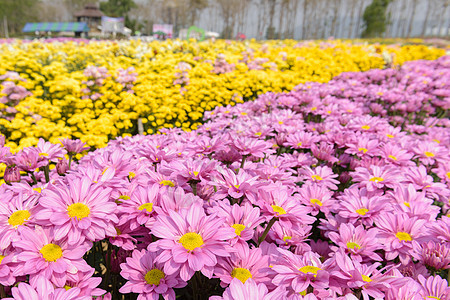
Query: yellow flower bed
176,81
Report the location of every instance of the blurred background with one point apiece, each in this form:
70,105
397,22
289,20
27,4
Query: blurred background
235,19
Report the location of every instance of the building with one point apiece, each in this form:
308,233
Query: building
91,15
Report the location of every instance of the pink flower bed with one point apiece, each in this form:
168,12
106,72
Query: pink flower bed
332,191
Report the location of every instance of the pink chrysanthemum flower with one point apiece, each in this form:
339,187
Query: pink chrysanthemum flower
363,146
40,254
7,265
376,177
15,212
243,219
79,210
358,205
357,242
434,287
279,204
440,229
245,263
249,290
301,140
317,197
397,232
394,154
74,146
322,175
433,255
43,289
176,199
430,152
300,271
49,152
87,283
138,208
364,277
146,277
190,241
291,235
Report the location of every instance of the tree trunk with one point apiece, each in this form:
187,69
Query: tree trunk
305,9
411,19
427,18
360,15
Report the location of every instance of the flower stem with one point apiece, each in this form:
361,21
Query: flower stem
266,231
70,160
47,173
2,291
243,161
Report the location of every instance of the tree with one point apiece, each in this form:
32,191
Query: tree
119,8
375,18
17,13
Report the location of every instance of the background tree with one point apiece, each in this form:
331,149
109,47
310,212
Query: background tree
120,8
17,13
375,18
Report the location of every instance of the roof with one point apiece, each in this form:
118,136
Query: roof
89,10
56,27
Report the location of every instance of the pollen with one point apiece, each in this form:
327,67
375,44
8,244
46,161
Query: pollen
376,179
278,209
167,182
366,278
392,157
191,241
309,269
195,173
19,217
78,210
429,154
353,245
362,211
238,228
154,276
365,127
147,206
316,201
316,177
403,236
287,238
241,273
363,150
51,252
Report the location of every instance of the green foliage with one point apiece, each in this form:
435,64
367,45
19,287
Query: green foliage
375,18
120,8
18,12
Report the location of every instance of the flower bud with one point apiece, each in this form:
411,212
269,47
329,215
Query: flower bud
62,166
12,174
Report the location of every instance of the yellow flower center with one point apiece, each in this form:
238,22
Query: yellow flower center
241,273
299,144
316,177
316,201
131,175
362,211
392,157
286,238
364,150
429,154
278,209
390,136
154,276
366,278
124,197
407,204
432,297
78,210
437,141
448,174
403,236
237,186
38,189
191,241
258,133
51,252
303,293
353,245
313,108
43,154
167,182
309,269
195,173
147,206
66,287
19,217
365,127
376,179
238,228
1,258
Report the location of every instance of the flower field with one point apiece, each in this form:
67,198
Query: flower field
96,91
332,189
